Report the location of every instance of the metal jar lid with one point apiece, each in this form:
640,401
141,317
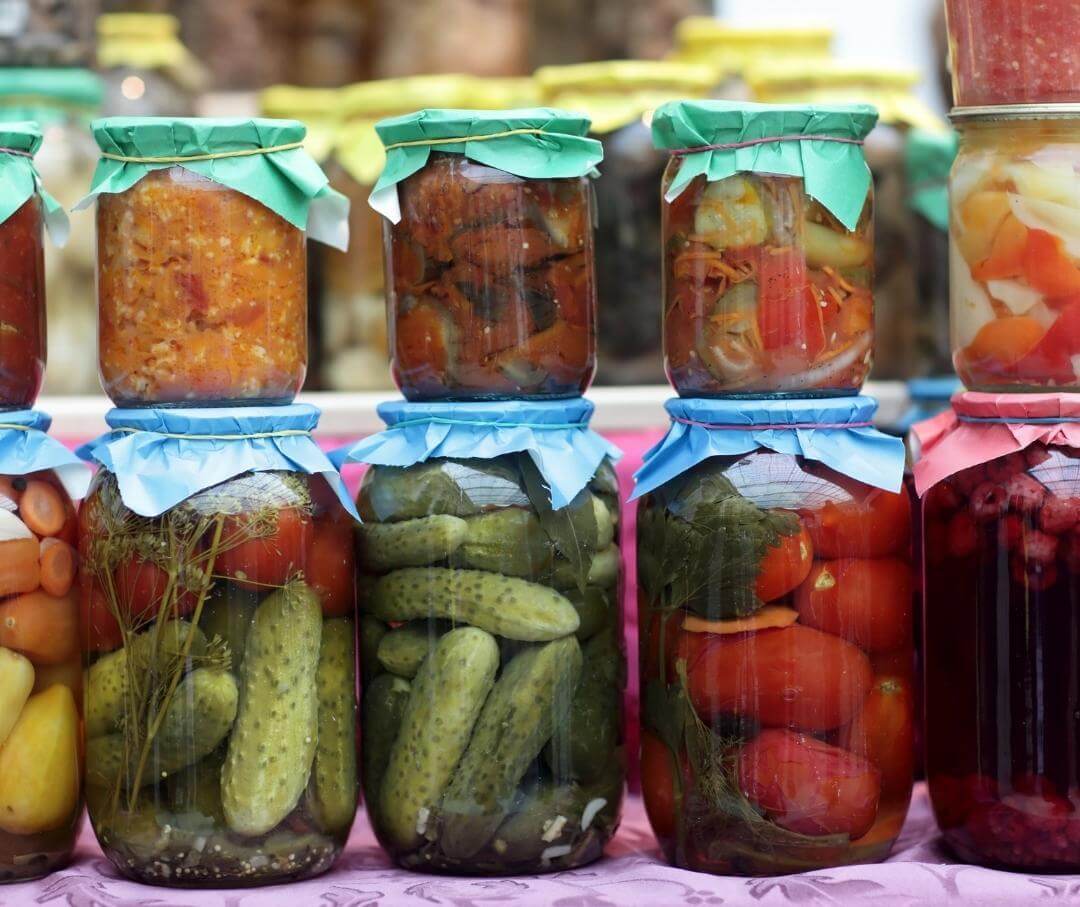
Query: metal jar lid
1006,112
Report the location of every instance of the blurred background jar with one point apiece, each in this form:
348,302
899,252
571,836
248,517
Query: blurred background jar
47,32
62,102
891,91
619,97
147,69
734,50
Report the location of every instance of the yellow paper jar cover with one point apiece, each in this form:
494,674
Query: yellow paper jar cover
731,49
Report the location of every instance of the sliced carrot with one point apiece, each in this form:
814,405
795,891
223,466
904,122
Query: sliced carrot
58,563
1047,268
768,617
1005,341
41,627
19,568
1006,257
42,508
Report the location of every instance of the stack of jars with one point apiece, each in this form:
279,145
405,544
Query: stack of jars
217,585
775,586
997,475
40,671
492,652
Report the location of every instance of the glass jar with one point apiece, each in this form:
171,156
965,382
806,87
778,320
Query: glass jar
220,681
765,292
1004,52
1002,569
494,667
618,97
202,295
776,660
22,305
40,677
492,289
1015,250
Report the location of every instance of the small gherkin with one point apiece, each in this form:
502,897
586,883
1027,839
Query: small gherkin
412,543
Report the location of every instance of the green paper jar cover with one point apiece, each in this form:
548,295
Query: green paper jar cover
49,96
928,158
533,143
820,144
19,180
264,159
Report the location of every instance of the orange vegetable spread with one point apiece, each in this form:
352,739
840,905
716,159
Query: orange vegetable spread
202,295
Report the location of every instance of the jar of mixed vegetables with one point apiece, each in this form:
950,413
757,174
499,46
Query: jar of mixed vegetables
202,275
491,639
618,97
218,594
1001,502
775,596
1015,249
40,666
489,251
768,248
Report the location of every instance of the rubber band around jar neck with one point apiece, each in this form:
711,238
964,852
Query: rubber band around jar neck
469,138
254,436
781,426
1034,420
213,156
443,420
17,152
8,426
749,143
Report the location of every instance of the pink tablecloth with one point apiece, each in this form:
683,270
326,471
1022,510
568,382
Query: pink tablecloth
633,873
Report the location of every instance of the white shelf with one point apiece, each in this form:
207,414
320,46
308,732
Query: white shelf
617,409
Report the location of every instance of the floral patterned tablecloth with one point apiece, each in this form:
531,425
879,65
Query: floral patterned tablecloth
633,873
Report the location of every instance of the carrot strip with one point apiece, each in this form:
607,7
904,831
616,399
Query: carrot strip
19,568
58,563
42,508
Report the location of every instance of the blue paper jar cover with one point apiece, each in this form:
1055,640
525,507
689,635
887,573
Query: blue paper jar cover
554,433
835,431
25,448
161,457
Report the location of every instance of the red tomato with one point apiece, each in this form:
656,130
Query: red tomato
807,786
884,733
873,523
1050,361
794,676
658,784
867,602
141,585
269,560
329,568
788,311
784,566
98,629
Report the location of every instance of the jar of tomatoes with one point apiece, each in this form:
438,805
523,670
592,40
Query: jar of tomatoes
618,97
218,599
489,253
23,205
1004,52
998,476
201,272
491,639
768,253
40,665
1014,249
775,593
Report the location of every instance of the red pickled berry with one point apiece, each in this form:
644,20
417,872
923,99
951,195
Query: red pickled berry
1072,552
1059,515
1037,577
1011,532
1036,455
1006,467
962,535
1032,783
987,501
1039,546
942,500
1024,493
935,543
968,480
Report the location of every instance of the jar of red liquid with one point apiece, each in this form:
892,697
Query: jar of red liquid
1000,480
490,262
1014,51
775,638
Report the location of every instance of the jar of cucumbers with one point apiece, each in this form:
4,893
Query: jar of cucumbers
491,637
219,613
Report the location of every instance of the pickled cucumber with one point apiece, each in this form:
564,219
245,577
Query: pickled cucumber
384,704
446,699
549,815
506,606
227,614
511,541
531,699
333,787
197,789
146,657
391,494
200,715
595,610
603,570
412,543
403,650
273,743
372,630
605,525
